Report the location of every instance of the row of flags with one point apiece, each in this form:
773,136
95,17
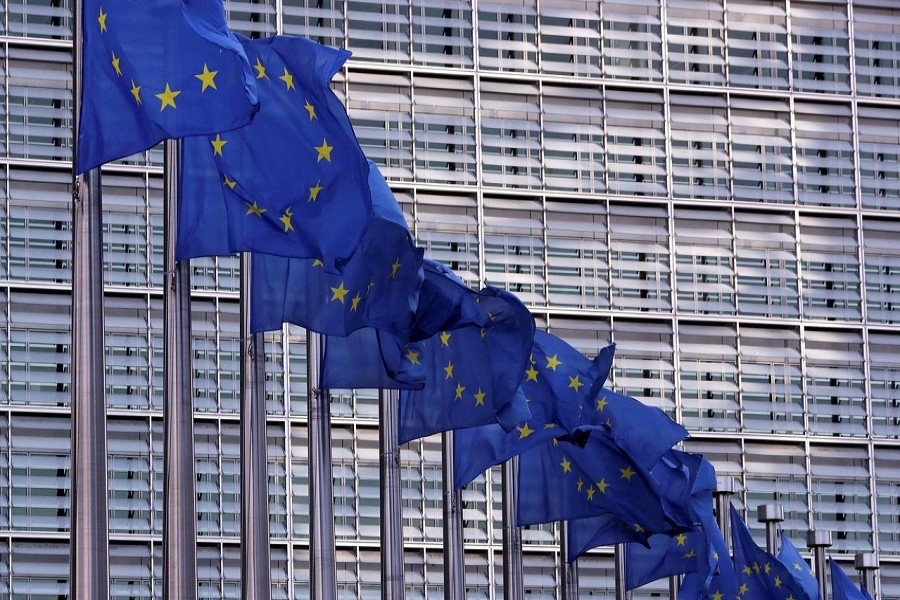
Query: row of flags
271,165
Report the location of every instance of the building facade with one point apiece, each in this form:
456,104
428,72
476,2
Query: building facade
712,184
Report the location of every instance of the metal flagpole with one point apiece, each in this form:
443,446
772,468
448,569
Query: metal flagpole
621,594
866,564
391,515
89,549
725,487
513,578
569,580
673,587
454,574
179,482
322,574
771,515
255,560
817,541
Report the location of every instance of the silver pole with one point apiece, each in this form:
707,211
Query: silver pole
89,555
568,589
771,515
322,573
673,587
392,587
866,564
255,560
454,573
817,541
179,495
513,578
725,487
621,594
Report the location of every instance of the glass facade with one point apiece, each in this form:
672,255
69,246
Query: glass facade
712,184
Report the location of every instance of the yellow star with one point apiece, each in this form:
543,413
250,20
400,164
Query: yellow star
717,596
445,339
575,383
601,404
744,589
638,528
370,286
260,69
288,79
286,220
483,333
314,191
602,485
136,92
254,209
412,356
767,568
318,263
791,597
218,144
756,568
339,293
311,110
460,388
167,98
395,267
590,494
531,373
580,485
354,303
324,151
553,362
777,581
115,64
229,183
627,473
102,20
797,567
524,431
690,554
479,398
207,78
680,539
448,370
747,570
566,465
549,425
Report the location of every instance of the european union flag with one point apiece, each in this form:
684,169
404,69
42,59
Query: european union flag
798,568
574,478
645,432
294,182
156,70
472,372
373,359
378,287
603,530
556,386
760,575
842,588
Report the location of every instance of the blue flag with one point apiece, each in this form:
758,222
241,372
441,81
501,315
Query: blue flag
844,589
798,568
378,288
370,359
574,478
645,432
472,372
294,182
602,530
760,575
556,385
156,70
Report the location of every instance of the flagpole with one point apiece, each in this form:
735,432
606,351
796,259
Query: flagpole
513,578
322,572
620,572
866,564
569,570
673,587
179,482
817,541
392,587
454,573
89,546
771,515
255,559
725,487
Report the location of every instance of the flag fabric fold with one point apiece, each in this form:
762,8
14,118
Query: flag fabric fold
140,87
378,287
842,588
294,182
556,387
797,567
760,575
